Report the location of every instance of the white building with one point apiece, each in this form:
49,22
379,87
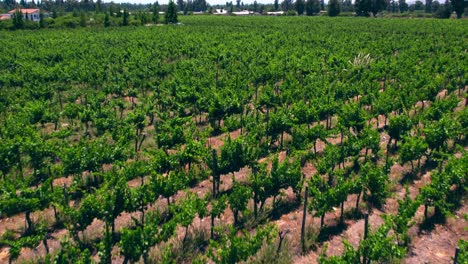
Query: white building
5,16
220,12
277,13
243,13
32,14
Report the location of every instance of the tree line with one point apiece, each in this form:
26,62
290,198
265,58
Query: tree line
301,7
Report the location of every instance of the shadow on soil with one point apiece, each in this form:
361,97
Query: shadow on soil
330,231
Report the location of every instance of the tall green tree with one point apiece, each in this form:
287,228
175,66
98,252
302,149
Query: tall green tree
444,10
418,6
82,19
300,7
111,10
312,7
377,6
155,10
362,7
403,6
435,6
106,20
255,6
42,23
171,13
459,7
333,8
181,4
125,18
287,5
427,6
18,21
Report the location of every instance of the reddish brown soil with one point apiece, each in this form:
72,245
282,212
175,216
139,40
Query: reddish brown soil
431,246
438,245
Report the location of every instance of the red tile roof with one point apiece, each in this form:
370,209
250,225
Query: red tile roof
25,10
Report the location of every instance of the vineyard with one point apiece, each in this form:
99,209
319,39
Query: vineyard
236,139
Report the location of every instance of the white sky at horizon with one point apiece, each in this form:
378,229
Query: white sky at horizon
211,2
221,2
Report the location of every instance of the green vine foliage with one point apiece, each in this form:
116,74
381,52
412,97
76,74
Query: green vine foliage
97,123
232,248
378,247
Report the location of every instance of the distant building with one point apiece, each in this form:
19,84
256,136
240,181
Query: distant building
243,13
32,14
220,12
5,16
277,13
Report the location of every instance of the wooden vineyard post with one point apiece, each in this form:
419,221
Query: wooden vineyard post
282,236
212,225
366,232
455,259
304,214
366,225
